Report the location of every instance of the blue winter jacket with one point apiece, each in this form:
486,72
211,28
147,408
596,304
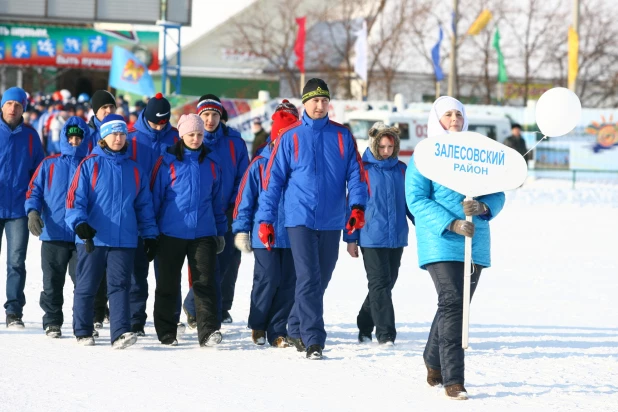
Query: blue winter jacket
21,152
111,193
434,208
95,134
385,215
187,195
231,150
247,204
311,163
50,184
147,144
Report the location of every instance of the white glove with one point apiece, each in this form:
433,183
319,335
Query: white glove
242,241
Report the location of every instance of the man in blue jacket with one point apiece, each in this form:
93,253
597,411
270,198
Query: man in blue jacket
45,205
109,205
311,165
231,149
21,152
148,139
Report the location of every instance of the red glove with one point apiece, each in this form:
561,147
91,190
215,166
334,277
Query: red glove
267,235
356,221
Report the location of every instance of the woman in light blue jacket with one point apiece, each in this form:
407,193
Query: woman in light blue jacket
441,228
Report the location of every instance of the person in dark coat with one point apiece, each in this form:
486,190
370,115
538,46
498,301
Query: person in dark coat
109,205
314,165
45,205
187,185
441,227
259,136
384,236
517,142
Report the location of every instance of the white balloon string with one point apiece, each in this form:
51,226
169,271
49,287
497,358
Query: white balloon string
537,143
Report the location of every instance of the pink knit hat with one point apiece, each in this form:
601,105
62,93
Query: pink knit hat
189,123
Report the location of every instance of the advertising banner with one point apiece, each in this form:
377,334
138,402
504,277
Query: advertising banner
80,48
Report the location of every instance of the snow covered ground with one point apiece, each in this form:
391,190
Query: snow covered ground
544,334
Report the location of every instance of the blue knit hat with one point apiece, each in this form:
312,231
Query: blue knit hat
17,94
113,123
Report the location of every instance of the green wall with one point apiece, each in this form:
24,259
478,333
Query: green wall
229,88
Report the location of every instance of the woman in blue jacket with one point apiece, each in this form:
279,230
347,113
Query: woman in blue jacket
187,194
45,205
109,205
440,215
385,233
274,277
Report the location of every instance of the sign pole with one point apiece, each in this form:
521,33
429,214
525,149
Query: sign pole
466,293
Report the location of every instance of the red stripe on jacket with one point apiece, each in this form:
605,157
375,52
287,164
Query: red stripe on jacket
241,188
233,152
341,149
30,144
155,170
366,173
36,172
295,147
173,172
51,175
95,175
71,194
270,163
136,175
134,148
213,169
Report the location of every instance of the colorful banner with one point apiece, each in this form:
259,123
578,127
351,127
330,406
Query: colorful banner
128,73
80,48
516,90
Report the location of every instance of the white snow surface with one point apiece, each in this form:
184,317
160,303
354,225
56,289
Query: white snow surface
543,337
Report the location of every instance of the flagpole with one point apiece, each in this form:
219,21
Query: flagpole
302,83
437,89
453,66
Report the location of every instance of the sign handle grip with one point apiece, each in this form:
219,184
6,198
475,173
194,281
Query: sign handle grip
466,291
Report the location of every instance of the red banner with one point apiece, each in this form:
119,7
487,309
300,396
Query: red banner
299,47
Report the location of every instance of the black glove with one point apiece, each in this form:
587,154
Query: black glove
35,223
89,245
84,231
474,208
151,247
462,227
220,244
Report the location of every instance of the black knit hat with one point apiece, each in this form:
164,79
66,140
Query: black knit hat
209,102
223,114
101,98
158,110
315,88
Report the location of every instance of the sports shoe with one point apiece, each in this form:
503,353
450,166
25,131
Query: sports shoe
386,342
14,321
434,376
124,341
314,352
364,337
281,342
214,338
106,317
53,331
297,343
226,317
180,328
98,325
85,340
169,340
138,330
456,392
191,320
95,333
258,337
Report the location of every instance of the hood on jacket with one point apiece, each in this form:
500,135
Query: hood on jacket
377,132
442,105
368,157
65,148
142,125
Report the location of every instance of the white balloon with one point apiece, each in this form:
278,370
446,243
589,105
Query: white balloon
558,112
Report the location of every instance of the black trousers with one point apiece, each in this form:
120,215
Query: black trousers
202,257
100,301
56,258
382,267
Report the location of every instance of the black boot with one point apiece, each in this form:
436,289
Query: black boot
297,343
314,352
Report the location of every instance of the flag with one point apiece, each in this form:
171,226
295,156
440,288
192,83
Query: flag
502,76
435,56
128,73
360,49
480,23
299,46
573,56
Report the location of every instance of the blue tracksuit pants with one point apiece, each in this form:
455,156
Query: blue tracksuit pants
315,256
272,295
118,263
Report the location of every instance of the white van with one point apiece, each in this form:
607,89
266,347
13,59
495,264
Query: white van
413,127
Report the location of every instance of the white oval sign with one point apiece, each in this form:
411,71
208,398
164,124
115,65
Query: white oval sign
470,163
